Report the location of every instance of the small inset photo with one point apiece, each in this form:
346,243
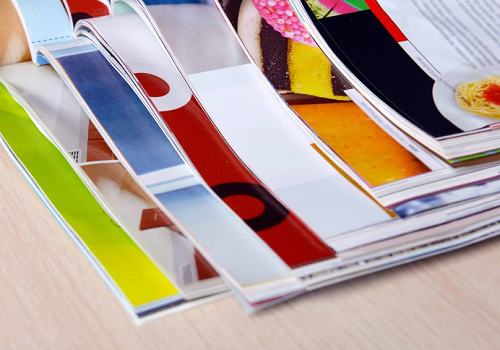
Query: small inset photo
470,99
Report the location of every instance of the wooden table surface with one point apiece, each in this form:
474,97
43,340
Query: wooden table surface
51,298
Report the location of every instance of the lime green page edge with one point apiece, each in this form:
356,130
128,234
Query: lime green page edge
136,275
474,156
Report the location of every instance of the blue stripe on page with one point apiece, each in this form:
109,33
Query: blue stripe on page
224,236
73,50
123,115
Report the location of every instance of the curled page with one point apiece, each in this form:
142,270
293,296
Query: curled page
251,118
277,225
131,275
153,160
418,64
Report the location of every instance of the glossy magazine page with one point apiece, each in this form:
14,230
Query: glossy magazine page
61,114
402,41
161,170
229,178
423,223
319,94
127,270
150,156
456,44
47,24
436,218
262,134
81,9
359,140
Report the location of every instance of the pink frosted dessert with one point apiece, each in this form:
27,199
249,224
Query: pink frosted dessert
279,15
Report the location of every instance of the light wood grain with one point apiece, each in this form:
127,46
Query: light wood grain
51,298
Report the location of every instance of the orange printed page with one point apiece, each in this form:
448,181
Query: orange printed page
360,142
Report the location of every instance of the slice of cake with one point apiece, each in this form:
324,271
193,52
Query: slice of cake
292,67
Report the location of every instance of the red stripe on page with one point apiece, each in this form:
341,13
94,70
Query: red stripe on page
281,229
93,8
382,16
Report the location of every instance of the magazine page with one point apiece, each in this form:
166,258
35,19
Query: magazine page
136,280
441,199
295,65
300,63
44,24
456,44
272,145
402,250
157,234
393,75
278,226
136,213
170,174
81,9
150,156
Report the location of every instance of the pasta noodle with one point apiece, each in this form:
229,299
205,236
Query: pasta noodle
481,97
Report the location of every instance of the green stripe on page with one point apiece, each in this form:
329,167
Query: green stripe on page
135,274
474,156
359,4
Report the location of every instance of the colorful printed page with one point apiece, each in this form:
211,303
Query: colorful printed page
297,244
399,34
153,160
44,24
228,177
291,65
255,123
126,267
80,9
135,211
154,231
168,173
456,44
360,142
294,65
441,199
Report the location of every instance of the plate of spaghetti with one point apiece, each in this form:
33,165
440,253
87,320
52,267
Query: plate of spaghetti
480,97
469,98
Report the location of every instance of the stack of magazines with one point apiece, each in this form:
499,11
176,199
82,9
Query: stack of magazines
260,148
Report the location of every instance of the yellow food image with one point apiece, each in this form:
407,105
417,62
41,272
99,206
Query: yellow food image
310,71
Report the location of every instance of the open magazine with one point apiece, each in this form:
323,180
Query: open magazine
433,69
384,161
135,278
215,154
55,108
